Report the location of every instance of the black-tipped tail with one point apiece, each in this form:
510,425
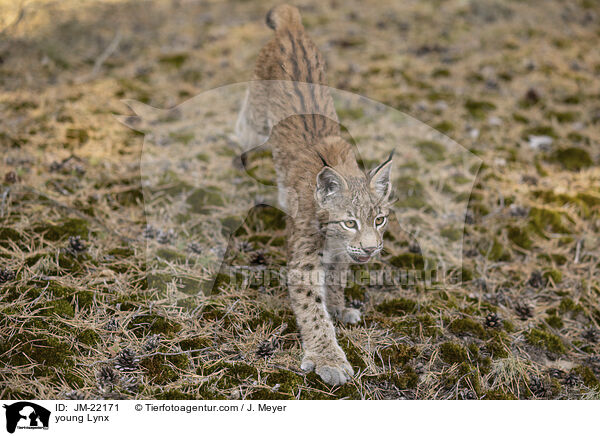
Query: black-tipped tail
284,17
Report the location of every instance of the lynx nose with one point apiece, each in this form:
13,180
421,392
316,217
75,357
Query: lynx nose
369,250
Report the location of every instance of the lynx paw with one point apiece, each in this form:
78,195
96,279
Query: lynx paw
332,371
350,315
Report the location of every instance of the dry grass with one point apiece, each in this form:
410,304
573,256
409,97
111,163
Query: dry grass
487,73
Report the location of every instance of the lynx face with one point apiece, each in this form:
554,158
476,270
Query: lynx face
356,211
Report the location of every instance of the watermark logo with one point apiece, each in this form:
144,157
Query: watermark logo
25,415
204,172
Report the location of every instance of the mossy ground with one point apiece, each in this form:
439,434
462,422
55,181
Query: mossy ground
530,243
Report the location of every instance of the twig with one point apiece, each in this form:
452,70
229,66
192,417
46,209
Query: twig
3,202
112,47
578,250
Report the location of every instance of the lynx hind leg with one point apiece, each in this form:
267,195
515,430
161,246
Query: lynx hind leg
251,127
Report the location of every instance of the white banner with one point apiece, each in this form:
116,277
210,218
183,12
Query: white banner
284,417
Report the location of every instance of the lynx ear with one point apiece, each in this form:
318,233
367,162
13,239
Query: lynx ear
330,184
380,178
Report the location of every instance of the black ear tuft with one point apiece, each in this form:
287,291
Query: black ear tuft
380,182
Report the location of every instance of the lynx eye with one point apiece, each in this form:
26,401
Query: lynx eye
380,220
349,225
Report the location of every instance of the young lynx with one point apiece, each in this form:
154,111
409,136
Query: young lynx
340,212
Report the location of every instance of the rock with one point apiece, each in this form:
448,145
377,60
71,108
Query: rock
542,142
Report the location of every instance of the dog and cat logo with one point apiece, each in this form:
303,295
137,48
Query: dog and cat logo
26,415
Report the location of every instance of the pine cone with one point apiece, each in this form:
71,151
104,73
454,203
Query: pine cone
524,311
165,237
112,325
126,361
107,378
76,245
537,280
195,248
244,246
74,395
537,386
267,348
572,380
130,383
259,259
152,343
492,320
149,232
592,335
6,275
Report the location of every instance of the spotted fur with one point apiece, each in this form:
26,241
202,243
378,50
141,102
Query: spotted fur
338,212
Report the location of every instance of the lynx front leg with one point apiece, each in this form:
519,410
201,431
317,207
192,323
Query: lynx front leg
336,282
321,350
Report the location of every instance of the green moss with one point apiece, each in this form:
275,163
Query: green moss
542,219
496,346
591,199
173,59
52,355
440,72
451,233
130,197
478,109
88,337
587,376
466,275
353,353
153,324
398,354
416,326
204,200
555,321
69,227
351,113
451,352
274,319
355,292
171,255
60,307
162,370
410,192
7,235
265,218
519,237
85,299
572,158
564,117
232,374
408,261
196,343
568,305
284,385
539,131
545,340
173,394
432,151
467,327
553,274
499,394
497,252
397,307
444,127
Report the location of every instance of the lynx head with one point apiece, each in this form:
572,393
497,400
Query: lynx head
355,208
